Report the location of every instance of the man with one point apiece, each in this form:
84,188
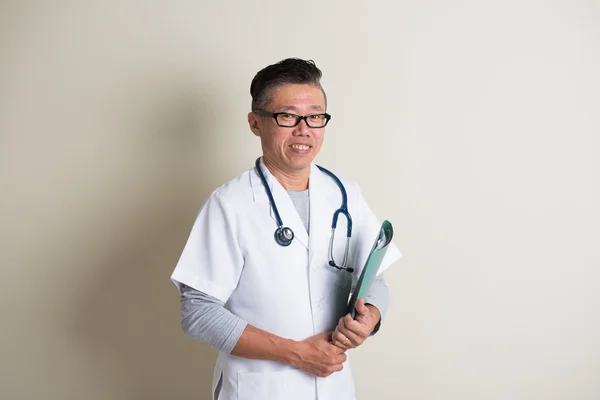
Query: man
272,304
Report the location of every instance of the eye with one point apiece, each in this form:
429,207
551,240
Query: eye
287,116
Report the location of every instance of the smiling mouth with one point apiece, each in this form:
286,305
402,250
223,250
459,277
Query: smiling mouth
300,146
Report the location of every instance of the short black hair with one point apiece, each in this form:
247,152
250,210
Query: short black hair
288,71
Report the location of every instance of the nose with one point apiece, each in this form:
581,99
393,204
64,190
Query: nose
302,128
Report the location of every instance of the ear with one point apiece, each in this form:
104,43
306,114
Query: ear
255,123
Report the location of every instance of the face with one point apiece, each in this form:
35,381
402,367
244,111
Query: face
290,150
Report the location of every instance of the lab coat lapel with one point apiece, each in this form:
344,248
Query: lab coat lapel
287,211
321,214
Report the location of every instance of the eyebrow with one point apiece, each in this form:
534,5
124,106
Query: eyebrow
314,107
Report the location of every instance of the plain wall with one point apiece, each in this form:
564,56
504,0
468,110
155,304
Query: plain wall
472,125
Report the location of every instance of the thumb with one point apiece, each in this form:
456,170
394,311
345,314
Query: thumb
361,308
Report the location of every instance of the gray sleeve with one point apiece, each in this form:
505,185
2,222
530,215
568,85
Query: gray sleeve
206,318
379,296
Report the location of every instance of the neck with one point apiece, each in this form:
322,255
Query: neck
295,181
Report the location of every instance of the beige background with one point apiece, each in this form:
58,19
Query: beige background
473,126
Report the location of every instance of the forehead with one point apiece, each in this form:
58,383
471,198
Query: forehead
296,95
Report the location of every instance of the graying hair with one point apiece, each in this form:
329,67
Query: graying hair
288,71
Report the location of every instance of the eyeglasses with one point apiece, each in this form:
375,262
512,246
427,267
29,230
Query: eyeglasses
288,120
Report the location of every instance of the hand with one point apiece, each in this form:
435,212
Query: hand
351,333
317,356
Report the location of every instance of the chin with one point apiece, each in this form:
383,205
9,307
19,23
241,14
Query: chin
301,164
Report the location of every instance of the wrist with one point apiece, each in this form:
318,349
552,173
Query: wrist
287,351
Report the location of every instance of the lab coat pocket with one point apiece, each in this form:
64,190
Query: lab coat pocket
275,385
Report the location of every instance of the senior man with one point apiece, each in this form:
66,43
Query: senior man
257,279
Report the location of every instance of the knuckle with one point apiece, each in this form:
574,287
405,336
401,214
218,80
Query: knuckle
324,372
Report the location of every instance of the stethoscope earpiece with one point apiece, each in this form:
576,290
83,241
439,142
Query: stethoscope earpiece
284,236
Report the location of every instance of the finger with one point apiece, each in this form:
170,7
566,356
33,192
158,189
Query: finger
353,338
364,315
341,325
341,358
337,340
340,340
347,322
341,348
337,367
361,308
343,329
338,358
337,336
362,319
361,326
361,329
330,370
337,331
337,328
353,325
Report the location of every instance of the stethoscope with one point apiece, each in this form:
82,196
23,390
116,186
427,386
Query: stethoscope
285,235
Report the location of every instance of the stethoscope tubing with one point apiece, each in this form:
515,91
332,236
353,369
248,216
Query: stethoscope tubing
344,208
284,235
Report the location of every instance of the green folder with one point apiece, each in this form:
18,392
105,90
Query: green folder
369,271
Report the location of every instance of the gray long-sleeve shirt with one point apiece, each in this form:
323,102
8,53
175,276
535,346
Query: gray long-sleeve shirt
205,318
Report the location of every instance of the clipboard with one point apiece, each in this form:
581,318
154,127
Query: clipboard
369,271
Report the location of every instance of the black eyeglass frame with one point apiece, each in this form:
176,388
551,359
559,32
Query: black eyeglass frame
298,118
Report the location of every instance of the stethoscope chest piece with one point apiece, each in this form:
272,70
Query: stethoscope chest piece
284,236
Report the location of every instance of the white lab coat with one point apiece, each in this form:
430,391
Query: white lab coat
292,292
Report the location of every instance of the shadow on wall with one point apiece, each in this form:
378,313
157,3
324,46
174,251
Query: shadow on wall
129,317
